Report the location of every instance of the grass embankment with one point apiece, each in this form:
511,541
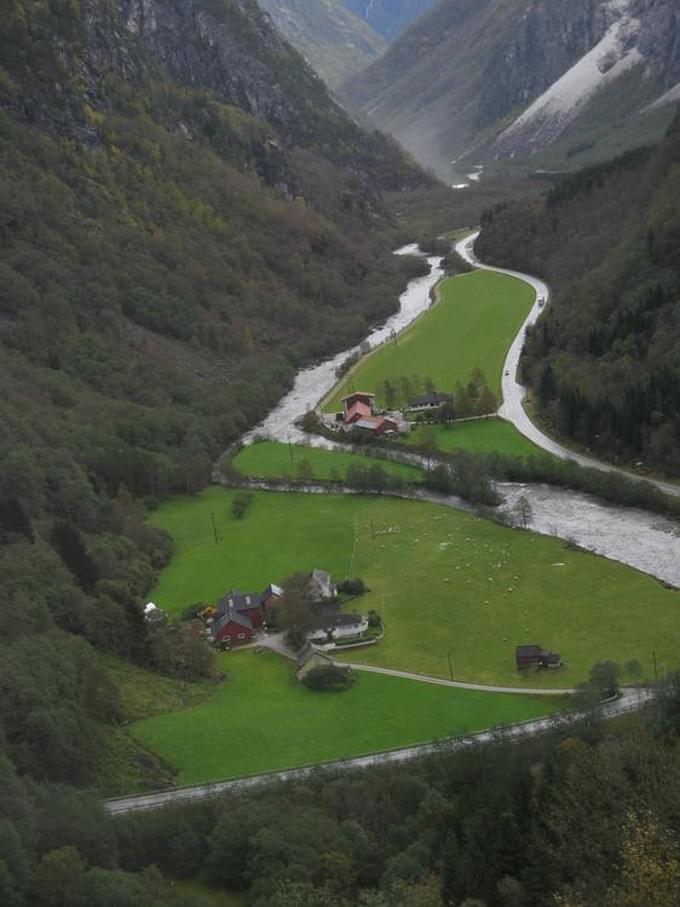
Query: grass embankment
270,460
472,327
263,719
480,436
443,580
126,767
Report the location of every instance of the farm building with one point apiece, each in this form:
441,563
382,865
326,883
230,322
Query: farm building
331,624
248,604
429,401
536,657
321,586
271,596
358,405
232,627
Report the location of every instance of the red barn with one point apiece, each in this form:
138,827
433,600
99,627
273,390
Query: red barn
232,626
248,604
358,405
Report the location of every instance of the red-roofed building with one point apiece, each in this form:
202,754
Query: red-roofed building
358,405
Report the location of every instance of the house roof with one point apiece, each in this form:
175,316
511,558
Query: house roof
430,399
273,589
358,410
239,601
370,423
528,651
230,616
358,394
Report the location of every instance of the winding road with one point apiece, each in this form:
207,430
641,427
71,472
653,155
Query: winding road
630,701
515,393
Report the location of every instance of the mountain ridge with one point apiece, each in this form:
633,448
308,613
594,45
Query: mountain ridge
462,80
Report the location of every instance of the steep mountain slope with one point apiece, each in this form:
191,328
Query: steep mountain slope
497,79
604,360
186,216
389,17
334,41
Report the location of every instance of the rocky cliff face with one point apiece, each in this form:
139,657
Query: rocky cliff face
389,17
328,35
498,79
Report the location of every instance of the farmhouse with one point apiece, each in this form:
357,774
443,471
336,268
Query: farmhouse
246,604
429,401
536,657
358,405
271,596
321,586
331,625
232,627
359,413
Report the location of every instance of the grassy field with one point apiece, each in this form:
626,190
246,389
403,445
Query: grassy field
270,459
480,436
443,580
262,719
472,327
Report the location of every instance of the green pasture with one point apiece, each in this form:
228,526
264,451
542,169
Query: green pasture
263,719
472,327
445,582
479,436
269,459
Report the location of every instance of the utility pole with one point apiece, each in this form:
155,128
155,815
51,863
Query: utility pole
450,663
656,670
214,527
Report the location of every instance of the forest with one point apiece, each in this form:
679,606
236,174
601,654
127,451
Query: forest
585,815
168,260
603,361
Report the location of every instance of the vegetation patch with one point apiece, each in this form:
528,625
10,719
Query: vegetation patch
271,460
472,327
263,719
453,589
479,436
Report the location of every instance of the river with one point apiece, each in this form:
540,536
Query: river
312,384
637,538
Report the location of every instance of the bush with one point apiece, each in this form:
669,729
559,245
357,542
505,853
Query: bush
354,587
240,504
329,679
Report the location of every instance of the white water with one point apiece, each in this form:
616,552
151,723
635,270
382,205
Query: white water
637,538
312,384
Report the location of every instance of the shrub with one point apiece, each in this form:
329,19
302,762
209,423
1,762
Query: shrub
329,679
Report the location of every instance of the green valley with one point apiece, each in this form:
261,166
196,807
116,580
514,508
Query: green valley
470,328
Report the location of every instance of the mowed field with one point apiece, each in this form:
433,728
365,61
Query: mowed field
269,459
479,436
444,581
263,719
472,327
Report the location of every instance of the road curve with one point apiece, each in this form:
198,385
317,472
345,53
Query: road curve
514,393
630,701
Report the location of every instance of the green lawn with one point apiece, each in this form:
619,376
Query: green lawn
281,534
480,436
270,459
443,580
472,327
262,719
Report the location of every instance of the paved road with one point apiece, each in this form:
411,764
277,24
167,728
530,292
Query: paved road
514,393
630,701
